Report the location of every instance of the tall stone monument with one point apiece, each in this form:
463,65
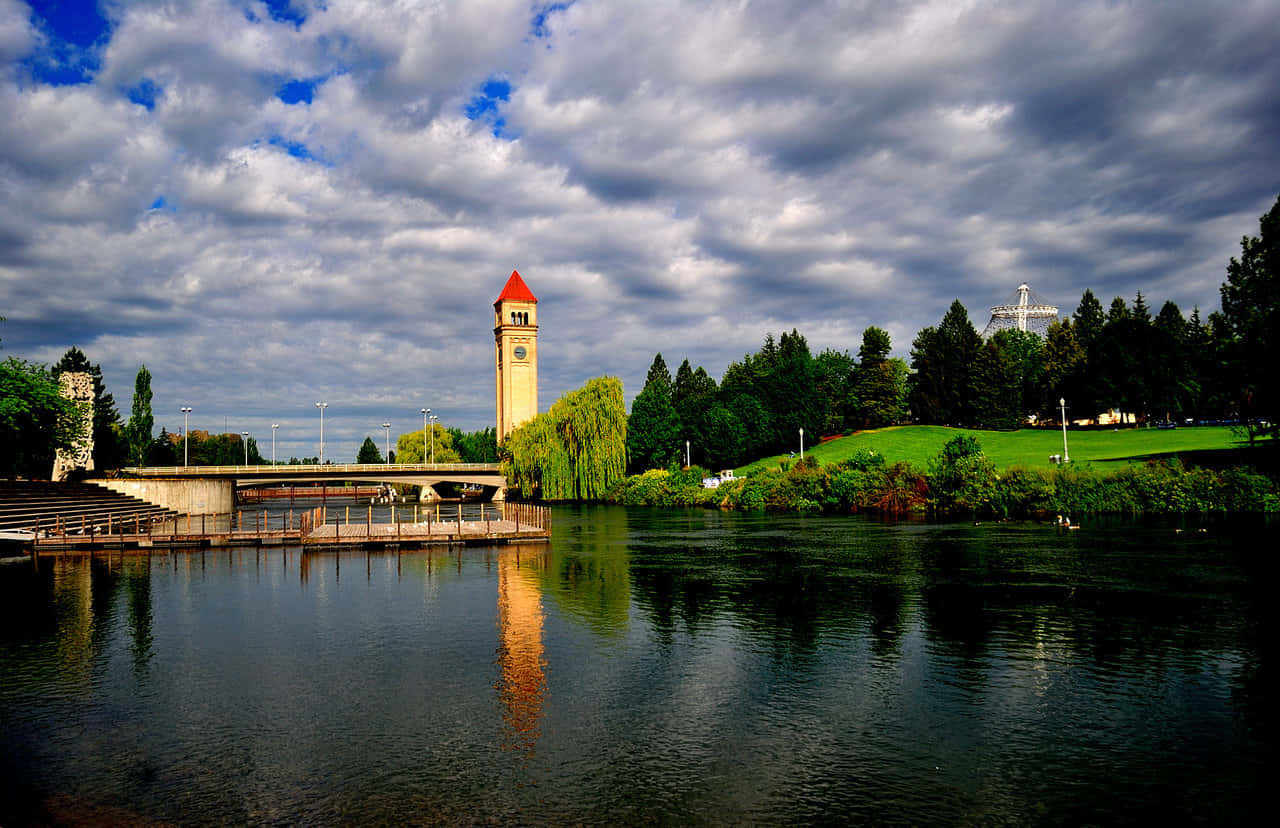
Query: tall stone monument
78,387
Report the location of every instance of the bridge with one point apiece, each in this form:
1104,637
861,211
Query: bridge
211,489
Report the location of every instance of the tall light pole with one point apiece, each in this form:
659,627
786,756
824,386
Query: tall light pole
245,435
387,428
425,412
1062,401
802,444
322,406
186,436
274,426
433,438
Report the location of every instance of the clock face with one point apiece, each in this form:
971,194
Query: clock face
520,352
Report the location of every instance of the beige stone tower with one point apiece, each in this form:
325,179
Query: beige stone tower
516,354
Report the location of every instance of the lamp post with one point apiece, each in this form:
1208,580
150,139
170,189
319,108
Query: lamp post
1062,402
433,438
802,444
425,412
322,406
387,428
274,426
186,436
245,435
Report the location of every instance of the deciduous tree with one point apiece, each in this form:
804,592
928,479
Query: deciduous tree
140,420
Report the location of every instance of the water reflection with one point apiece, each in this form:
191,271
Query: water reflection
522,687
651,666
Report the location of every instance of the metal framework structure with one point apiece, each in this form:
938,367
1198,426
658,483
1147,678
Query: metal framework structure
1029,313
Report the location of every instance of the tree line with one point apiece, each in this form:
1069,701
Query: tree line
1162,366
762,402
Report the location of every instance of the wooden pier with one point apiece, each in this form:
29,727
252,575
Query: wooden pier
316,529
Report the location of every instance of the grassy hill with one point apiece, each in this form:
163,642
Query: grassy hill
1027,448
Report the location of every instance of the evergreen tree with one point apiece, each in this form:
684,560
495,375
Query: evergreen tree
792,398
1064,369
693,393
1251,312
833,381
653,428
1084,386
1025,352
995,387
879,392
1088,320
942,359
1173,385
368,452
141,420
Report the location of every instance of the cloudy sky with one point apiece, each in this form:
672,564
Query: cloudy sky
271,204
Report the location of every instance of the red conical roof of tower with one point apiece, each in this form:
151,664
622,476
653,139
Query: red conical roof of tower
516,290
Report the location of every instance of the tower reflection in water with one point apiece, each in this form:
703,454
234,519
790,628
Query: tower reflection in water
522,686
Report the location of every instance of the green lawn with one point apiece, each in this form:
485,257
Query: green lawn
1027,448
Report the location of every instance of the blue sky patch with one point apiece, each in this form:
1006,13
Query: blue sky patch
298,91
145,94
163,204
295,148
540,15
75,29
486,105
282,11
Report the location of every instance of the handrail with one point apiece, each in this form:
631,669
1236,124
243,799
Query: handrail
328,468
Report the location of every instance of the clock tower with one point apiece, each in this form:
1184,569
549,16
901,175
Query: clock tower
516,355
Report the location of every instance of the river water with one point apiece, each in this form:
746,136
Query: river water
653,666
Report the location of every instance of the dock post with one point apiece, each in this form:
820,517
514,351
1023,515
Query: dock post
348,522
459,517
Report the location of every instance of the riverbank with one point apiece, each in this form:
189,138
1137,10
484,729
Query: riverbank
962,480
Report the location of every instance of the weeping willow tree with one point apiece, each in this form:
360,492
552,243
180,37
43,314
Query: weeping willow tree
575,451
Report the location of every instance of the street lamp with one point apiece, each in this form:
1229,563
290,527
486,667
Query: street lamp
322,406
425,411
274,426
387,427
802,444
186,436
433,438
245,435
1062,402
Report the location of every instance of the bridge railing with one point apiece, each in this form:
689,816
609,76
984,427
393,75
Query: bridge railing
327,468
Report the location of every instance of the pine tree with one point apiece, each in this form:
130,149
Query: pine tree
942,359
653,427
369,452
1251,311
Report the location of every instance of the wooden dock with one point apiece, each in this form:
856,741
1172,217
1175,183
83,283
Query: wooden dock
315,529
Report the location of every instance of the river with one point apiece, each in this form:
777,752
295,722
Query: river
657,667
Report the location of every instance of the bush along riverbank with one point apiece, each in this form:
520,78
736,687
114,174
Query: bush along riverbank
960,480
